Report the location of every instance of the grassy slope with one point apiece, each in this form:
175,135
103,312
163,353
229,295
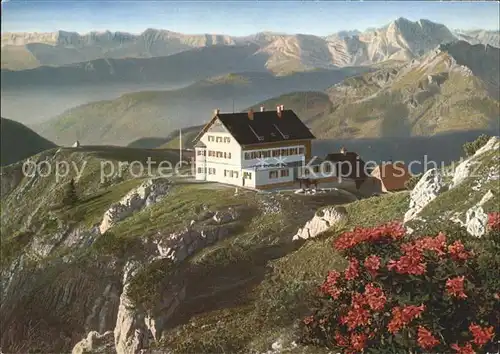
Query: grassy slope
271,309
19,142
249,289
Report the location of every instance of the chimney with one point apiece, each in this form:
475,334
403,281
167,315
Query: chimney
282,108
343,150
262,108
278,108
216,111
250,114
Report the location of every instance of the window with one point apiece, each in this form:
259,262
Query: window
247,156
219,154
284,152
211,138
225,173
301,150
316,168
211,153
225,155
227,139
218,139
273,174
293,151
228,155
284,173
234,174
266,154
211,171
276,153
200,170
247,175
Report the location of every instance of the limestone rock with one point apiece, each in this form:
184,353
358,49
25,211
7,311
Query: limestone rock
476,221
177,246
130,331
149,192
465,168
427,189
224,217
95,343
492,144
322,221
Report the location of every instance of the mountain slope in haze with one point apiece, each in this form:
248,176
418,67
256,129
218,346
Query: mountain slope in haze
19,142
150,114
480,37
188,66
454,88
401,39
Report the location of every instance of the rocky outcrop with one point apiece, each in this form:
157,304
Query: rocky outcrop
427,189
130,331
322,221
177,246
95,343
476,221
476,218
136,328
464,169
149,192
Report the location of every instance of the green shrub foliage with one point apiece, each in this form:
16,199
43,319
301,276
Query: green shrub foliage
472,146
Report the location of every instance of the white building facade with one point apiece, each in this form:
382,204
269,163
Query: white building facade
254,150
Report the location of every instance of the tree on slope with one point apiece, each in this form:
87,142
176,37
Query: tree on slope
70,195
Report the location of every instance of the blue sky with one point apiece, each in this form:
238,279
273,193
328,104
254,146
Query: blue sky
237,17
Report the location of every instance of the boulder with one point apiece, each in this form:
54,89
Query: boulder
322,221
476,221
427,189
95,343
222,217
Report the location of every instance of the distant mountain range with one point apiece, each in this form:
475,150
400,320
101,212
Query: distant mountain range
453,88
417,78
401,39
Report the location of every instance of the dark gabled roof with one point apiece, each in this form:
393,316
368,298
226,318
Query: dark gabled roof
265,127
351,165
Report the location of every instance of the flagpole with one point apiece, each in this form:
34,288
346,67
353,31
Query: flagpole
180,146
